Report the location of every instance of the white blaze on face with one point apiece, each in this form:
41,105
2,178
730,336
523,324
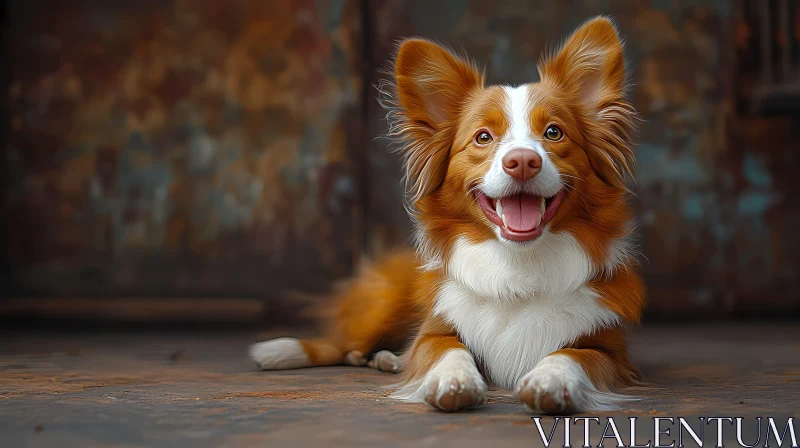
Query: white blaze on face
496,182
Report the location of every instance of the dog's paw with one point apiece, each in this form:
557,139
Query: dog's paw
355,358
559,385
454,383
385,361
548,389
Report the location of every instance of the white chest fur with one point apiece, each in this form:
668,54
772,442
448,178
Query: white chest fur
512,305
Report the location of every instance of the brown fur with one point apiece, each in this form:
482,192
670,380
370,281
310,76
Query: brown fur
441,103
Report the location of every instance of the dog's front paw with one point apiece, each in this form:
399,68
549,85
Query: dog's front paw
454,383
452,391
559,385
549,389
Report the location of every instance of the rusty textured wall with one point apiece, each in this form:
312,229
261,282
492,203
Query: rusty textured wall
763,158
714,183
210,147
182,146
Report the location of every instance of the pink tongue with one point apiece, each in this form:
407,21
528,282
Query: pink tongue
521,211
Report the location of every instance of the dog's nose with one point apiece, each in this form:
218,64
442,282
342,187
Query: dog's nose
522,164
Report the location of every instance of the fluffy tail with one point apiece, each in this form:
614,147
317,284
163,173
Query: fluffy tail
291,353
374,312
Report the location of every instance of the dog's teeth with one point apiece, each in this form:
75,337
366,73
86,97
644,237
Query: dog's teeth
498,206
503,217
543,206
539,220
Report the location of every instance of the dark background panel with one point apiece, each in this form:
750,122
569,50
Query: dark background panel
183,149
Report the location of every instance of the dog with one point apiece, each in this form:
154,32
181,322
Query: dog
525,269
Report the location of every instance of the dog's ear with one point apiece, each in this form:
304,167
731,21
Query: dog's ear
431,85
432,82
590,65
590,69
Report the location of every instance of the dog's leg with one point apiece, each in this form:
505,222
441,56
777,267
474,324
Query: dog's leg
442,372
580,379
454,382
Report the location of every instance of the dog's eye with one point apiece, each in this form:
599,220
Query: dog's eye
553,133
483,138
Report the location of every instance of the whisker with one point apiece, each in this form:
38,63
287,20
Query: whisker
551,154
572,177
476,187
571,189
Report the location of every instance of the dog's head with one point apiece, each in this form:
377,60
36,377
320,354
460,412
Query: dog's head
509,163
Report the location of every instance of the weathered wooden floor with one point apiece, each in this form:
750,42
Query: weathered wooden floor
199,389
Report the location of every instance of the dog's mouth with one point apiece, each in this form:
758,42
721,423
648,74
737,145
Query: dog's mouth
521,217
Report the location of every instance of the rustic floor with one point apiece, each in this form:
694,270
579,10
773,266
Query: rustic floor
199,389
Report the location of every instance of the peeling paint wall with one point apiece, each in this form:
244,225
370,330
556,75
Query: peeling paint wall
182,147
231,148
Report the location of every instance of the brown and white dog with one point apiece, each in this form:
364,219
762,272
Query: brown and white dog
524,272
